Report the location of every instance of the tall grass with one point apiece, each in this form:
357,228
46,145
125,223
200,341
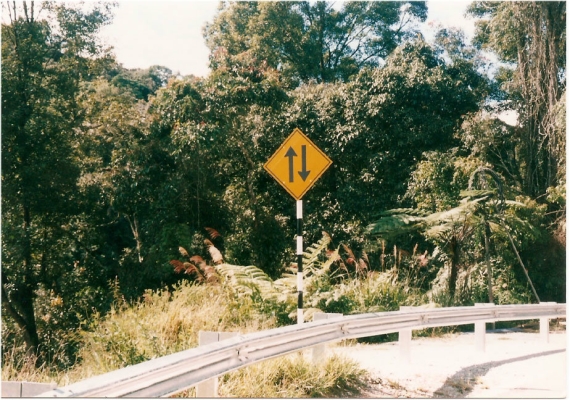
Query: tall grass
296,377
164,322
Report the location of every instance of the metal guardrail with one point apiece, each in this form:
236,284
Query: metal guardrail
24,388
176,372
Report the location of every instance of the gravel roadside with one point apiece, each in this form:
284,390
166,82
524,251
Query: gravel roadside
514,365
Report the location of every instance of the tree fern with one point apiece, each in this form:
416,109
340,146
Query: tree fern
396,222
246,279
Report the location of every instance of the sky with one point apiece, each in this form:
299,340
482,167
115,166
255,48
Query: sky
169,33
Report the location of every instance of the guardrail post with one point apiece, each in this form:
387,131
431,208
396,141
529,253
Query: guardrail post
405,339
209,388
481,329
319,351
545,325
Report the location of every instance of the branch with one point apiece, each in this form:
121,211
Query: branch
10,308
135,230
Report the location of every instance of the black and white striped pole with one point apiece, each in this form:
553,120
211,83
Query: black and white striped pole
300,318
296,165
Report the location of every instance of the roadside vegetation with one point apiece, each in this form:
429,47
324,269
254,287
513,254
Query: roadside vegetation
136,210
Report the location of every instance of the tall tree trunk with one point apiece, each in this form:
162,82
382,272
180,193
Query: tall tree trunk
21,308
23,296
454,247
488,262
538,71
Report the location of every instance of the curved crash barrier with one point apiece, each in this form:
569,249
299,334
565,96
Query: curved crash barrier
170,374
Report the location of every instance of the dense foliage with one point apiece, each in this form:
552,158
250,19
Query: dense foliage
312,41
109,173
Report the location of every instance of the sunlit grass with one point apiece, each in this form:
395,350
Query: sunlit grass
293,376
165,322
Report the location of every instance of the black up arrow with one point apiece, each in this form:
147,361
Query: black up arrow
303,173
291,153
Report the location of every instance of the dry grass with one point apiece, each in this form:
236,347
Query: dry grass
24,369
166,322
295,377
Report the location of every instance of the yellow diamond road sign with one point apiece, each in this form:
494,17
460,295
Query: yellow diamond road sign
297,164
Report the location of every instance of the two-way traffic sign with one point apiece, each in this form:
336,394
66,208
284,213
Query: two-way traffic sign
297,164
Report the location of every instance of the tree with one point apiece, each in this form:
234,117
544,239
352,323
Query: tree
376,128
313,41
437,180
479,213
530,40
142,82
218,140
44,61
493,210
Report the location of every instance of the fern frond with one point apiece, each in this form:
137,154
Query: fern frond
459,213
244,278
286,284
214,234
401,211
477,193
311,254
332,253
515,203
495,227
325,267
438,230
396,223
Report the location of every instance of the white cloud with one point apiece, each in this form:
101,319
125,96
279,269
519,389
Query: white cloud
167,33
450,14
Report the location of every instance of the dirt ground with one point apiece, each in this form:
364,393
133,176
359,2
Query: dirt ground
515,364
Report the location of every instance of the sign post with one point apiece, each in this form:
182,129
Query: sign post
297,164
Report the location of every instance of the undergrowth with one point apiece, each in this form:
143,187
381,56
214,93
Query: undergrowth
292,376
233,298
164,322
295,377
